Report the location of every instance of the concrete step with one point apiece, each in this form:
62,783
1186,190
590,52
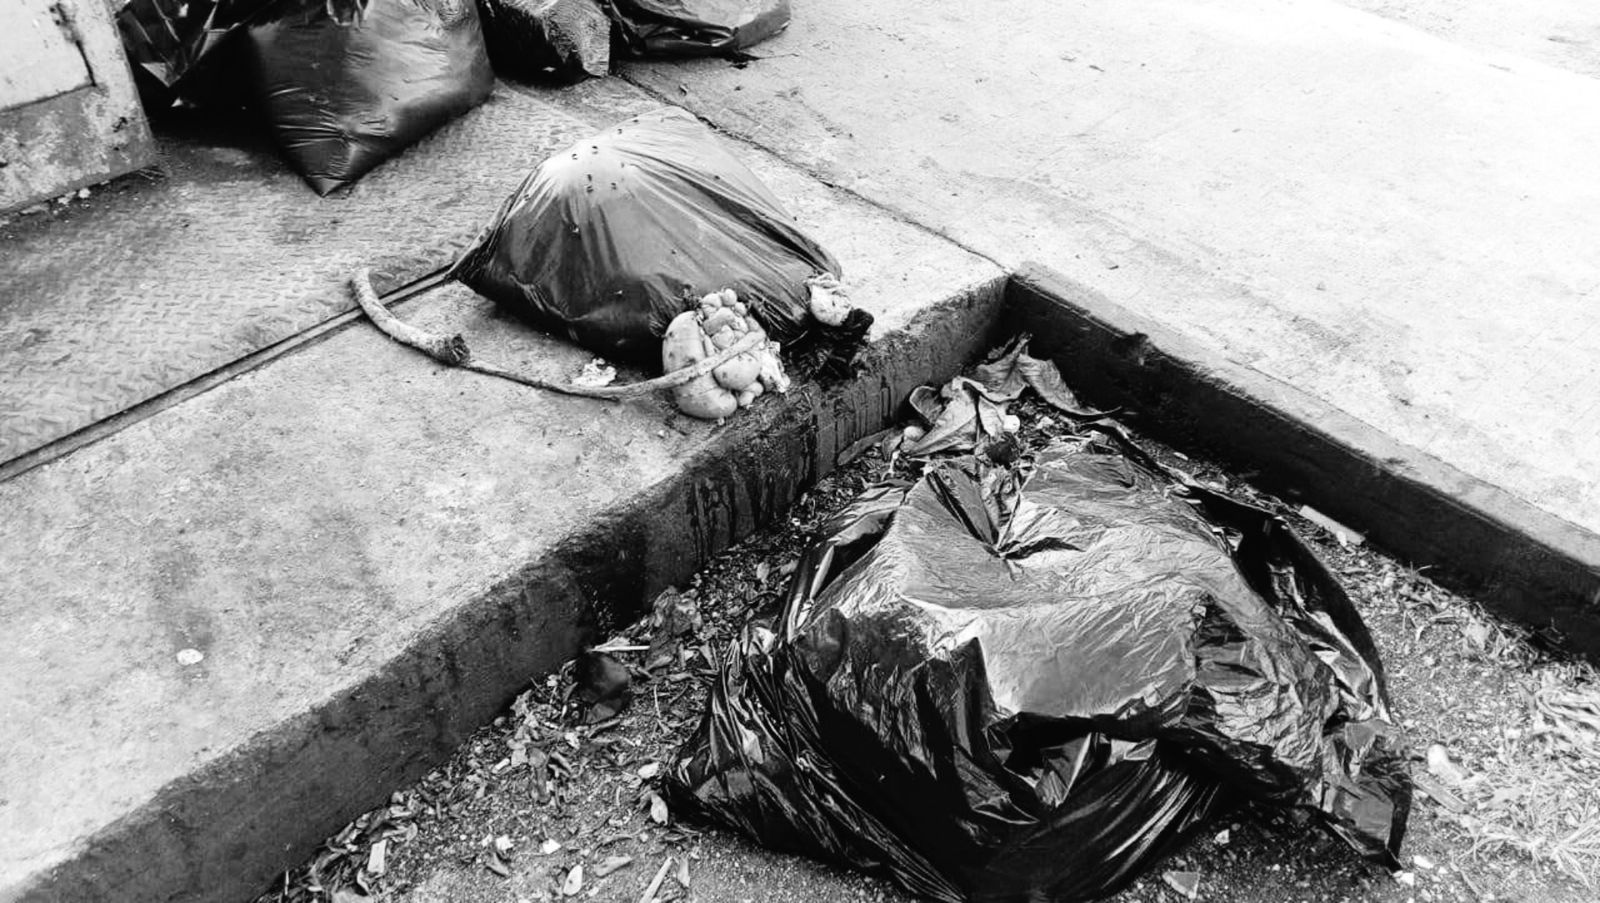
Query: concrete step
245,618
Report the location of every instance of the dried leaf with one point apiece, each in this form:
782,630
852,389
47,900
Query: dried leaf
1012,370
1440,766
574,882
658,809
611,864
683,872
965,416
494,863
1044,378
649,770
1441,794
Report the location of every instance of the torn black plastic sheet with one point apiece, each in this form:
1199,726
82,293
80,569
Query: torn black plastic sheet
1029,683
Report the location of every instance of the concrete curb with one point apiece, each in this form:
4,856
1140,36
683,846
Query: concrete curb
1523,561
227,831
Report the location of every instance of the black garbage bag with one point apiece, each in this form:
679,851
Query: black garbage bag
696,27
1028,683
172,44
532,39
346,84
608,240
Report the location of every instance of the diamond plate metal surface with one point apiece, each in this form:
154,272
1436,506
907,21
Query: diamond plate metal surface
151,284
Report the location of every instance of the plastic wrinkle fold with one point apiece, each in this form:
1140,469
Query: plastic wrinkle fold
1030,683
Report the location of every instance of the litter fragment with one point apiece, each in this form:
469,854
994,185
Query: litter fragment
1344,535
549,846
378,858
972,669
1185,884
596,373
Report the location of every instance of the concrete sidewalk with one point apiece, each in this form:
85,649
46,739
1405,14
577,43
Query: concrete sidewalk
238,622
1399,225
369,553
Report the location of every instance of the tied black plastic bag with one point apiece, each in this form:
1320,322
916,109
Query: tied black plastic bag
610,239
348,83
696,27
1028,683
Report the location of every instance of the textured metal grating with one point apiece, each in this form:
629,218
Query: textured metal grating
152,284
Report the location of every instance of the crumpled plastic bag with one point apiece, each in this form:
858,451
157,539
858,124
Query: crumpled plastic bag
1028,683
170,42
346,84
696,27
609,240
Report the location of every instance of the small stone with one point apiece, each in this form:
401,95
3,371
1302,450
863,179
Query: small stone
1409,879
187,657
549,846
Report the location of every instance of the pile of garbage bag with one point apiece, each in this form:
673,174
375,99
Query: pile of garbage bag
344,84
1030,681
